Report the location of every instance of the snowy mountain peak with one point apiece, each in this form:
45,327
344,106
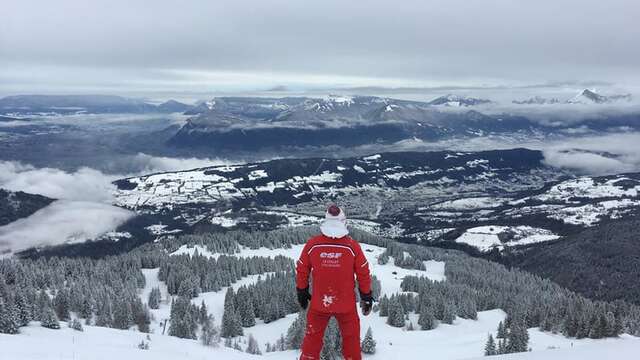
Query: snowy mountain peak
590,96
452,100
328,103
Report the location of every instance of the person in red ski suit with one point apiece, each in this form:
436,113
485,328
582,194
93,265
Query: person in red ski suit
333,260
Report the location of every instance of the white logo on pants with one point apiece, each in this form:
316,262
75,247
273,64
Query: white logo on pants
327,300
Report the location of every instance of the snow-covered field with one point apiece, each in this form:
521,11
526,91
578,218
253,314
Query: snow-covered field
464,339
485,238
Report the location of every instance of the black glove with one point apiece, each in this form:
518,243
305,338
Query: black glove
366,302
303,297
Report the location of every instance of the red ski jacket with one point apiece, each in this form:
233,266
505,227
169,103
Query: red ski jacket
333,265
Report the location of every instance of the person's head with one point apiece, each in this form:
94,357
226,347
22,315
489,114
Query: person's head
334,224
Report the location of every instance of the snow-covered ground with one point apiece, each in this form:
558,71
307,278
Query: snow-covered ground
97,343
464,339
389,275
485,238
471,203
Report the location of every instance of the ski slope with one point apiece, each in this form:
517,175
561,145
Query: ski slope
389,275
464,339
457,341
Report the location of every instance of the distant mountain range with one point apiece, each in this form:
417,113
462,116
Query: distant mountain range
25,105
457,101
263,108
586,96
235,124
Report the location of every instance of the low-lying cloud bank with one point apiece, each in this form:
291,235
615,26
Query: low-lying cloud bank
84,184
598,155
145,164
83,210
609,153
64,221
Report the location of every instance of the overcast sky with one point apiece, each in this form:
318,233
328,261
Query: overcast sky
244,45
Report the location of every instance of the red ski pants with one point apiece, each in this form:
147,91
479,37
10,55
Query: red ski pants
349,324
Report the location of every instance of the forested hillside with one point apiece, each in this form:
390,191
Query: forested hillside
106,292
600,263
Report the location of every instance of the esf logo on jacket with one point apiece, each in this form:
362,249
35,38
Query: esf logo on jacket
326,255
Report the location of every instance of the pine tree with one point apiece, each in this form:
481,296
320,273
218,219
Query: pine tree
396,313
502,332
49,319
210,333
231,323
203,314
426,320
104,315
490,346
75,324
502,347
332,342
122,317
295,333
449,313
236,346
245,308
518,338
61,305
384,306
253,347
154,298
9,317
228,343
183,323
368,345
25,309
281,344
44,302
141,316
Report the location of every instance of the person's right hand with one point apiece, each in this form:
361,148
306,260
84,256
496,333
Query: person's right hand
303,297
366,303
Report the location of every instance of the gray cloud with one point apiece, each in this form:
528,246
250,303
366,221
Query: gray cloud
63,221
145,164
607,154
84,184
204,45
